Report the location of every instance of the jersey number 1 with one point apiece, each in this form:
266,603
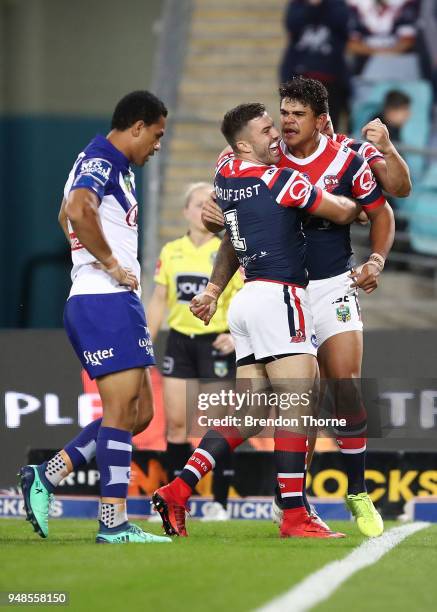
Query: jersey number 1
231,220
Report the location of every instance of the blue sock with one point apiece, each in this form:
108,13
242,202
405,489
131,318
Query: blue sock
113,454
83,447
80,450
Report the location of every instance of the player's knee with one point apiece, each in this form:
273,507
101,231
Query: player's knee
144,418
176,432
121,415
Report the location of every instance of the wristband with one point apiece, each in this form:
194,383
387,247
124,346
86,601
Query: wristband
213,290
378,260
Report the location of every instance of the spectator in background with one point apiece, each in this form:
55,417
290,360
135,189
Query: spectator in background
395,113
318,32
428,40
381,29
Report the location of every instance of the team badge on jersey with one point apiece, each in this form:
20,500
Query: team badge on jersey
99,169
331,181
343,313
221,368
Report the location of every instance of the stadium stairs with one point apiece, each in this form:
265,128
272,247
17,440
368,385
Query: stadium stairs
232,56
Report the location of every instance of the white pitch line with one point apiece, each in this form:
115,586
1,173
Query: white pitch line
322,584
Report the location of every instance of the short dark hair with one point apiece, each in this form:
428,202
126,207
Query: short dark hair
309,92
237,118
396,99
137,106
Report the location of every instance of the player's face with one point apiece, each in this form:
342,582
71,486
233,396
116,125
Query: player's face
148,141
193,210
264,139
299,124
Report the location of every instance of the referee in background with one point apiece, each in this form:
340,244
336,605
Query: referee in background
193,351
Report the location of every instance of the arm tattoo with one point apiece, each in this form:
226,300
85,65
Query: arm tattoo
225,265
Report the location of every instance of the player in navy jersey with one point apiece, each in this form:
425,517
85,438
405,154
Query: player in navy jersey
104,317
390,170
269,318
333,280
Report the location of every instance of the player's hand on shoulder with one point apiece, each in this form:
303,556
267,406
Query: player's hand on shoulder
123,276
365,277
376,132
203,306
224,343
212,216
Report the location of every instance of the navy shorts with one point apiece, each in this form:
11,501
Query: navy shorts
108,332
195,357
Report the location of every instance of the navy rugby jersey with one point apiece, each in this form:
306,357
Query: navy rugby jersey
262,207
366,149
337,169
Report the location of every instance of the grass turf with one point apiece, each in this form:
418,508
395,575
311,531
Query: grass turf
221,566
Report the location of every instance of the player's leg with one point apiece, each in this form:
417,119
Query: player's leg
340,357
175,407
213,365
171,500
146,406
120,393
295,377
77,452
178,367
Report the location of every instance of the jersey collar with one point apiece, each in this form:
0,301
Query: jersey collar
115,154
299,161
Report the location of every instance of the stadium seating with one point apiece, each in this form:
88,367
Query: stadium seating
423,220
415,133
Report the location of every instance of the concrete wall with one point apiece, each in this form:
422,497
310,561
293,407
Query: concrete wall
63,67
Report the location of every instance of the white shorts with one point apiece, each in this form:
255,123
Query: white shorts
268,319
334,306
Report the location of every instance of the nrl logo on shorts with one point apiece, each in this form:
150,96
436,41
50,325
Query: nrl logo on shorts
221,368
343,313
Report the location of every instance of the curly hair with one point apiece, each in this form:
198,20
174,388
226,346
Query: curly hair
137,106
309,92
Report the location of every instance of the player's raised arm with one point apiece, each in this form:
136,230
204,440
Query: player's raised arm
82,211
391,172
204,305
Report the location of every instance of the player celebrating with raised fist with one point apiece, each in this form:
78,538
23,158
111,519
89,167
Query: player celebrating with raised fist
333,279
269,318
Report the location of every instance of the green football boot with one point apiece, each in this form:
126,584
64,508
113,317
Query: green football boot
368,519
129,534
37,499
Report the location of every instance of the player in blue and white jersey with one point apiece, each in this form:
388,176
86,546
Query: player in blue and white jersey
104,317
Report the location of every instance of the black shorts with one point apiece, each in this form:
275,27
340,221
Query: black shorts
195,357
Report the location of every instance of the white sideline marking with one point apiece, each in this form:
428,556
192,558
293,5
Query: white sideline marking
322,584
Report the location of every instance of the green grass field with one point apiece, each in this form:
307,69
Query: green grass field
221,566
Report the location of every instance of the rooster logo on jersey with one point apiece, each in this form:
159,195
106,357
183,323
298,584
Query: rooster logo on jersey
330,181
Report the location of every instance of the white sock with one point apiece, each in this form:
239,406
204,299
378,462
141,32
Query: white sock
113,515
56,470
